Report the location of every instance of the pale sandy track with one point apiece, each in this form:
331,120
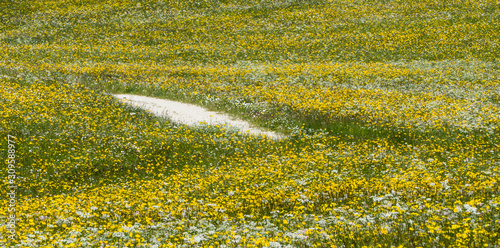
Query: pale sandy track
190,114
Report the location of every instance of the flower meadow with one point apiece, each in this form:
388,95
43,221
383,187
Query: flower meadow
391,111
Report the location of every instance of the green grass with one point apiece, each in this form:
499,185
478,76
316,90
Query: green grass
390,107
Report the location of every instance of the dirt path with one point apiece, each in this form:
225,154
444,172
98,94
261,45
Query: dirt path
191,114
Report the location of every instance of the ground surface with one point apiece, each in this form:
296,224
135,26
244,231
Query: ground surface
190,114
391,111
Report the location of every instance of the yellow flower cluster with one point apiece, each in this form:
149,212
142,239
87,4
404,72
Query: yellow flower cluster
392,110
303,191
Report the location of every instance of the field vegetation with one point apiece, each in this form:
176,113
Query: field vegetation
391,110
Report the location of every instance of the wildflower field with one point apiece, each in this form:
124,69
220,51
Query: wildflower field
391,110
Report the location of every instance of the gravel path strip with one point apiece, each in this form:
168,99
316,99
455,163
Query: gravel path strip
190,114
